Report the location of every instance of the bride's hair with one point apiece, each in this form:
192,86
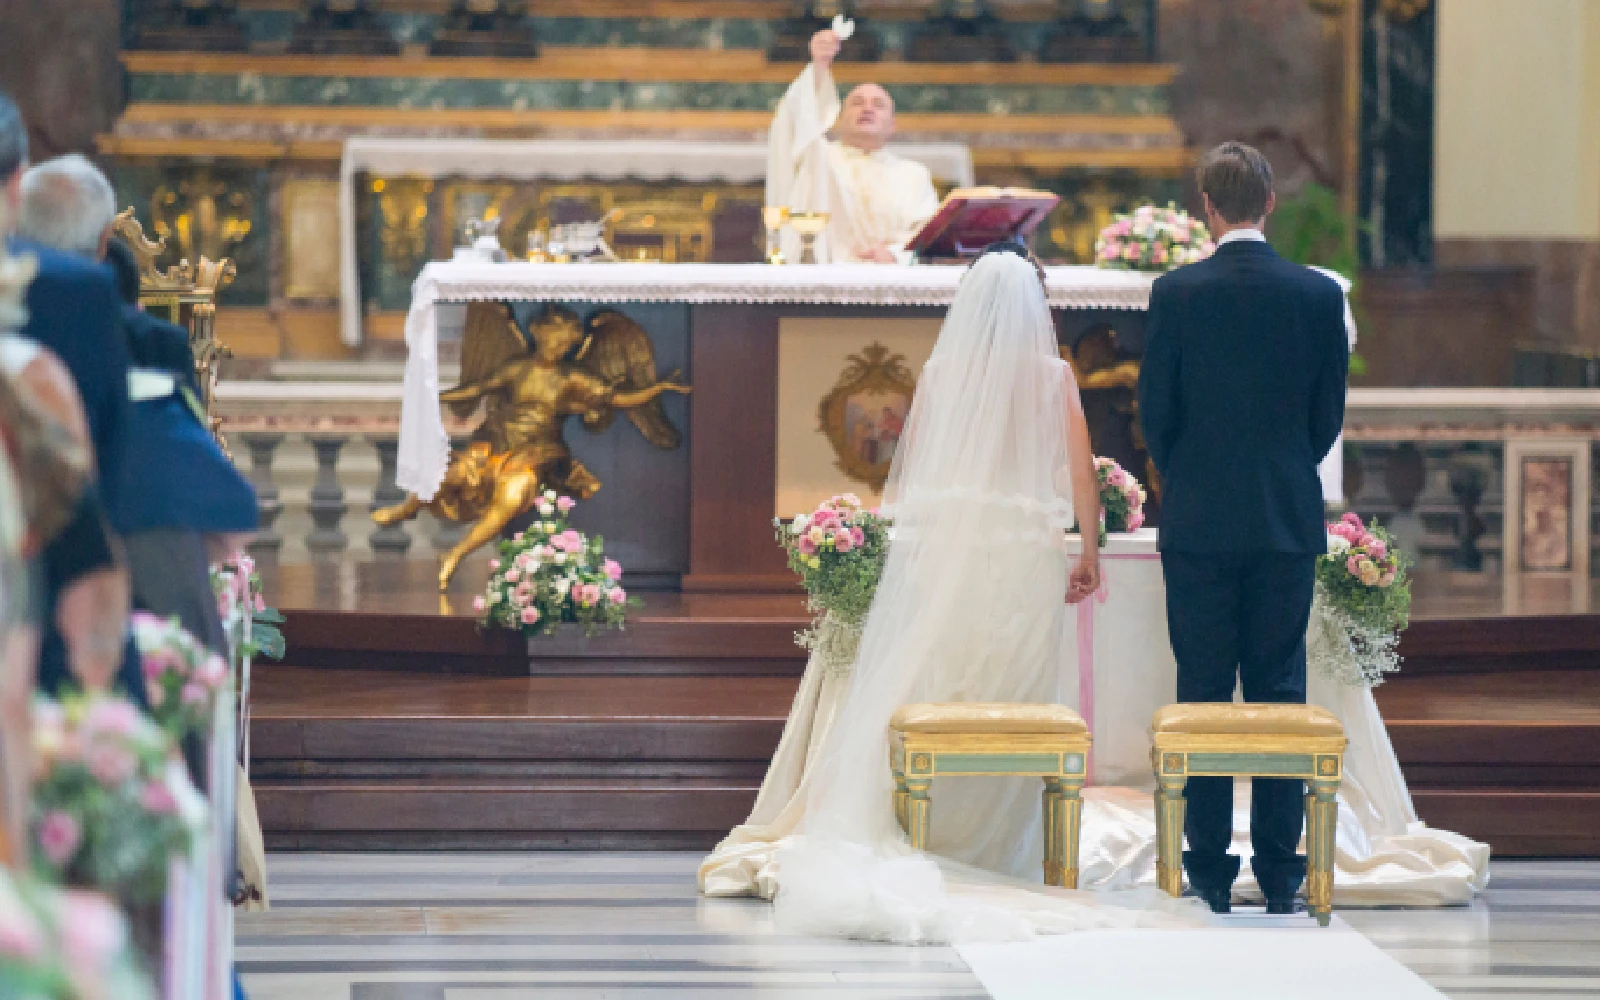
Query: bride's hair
1014,247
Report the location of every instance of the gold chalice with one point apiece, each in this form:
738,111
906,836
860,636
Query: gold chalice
809,225
774,217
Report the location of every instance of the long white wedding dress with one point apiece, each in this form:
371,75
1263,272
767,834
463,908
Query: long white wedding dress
970,609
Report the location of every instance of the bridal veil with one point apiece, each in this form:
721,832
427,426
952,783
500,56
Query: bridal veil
971,607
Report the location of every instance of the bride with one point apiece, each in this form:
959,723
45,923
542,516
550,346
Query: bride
969,608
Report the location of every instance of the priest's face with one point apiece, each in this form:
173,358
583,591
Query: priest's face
867,120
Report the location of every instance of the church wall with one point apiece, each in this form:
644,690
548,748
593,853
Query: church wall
1267,72
1517,170
1518,120
58,61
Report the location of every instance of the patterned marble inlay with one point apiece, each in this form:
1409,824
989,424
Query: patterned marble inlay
588,925
252,88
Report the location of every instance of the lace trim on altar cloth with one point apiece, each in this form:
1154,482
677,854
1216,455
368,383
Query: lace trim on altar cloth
827,284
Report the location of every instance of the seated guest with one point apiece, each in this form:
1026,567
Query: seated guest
72,311
200,510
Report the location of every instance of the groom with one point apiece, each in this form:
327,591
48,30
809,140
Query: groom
1241,395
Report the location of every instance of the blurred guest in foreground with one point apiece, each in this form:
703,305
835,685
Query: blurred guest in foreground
72,311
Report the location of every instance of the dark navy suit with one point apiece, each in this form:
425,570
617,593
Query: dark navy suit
1241,395
73,310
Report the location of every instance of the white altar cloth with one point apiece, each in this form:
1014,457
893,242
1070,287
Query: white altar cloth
569,160
424,449
424,446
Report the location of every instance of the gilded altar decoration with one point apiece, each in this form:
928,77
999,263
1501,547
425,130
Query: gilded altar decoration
529,384
866,411
187,293
203,215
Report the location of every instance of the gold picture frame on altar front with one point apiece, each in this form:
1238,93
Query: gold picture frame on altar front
865,413
1545,532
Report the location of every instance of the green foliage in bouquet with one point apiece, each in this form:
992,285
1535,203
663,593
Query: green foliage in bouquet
548,574
237,587
63,945
838,552
1364,575
107,810
1362,602
1121,499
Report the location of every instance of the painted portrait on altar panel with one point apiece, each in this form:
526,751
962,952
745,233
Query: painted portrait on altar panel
845,387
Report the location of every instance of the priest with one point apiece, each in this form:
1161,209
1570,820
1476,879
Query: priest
876,201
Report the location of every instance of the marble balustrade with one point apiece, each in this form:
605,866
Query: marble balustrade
1426,462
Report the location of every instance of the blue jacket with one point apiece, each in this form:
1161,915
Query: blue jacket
73,309
176,475
1241,395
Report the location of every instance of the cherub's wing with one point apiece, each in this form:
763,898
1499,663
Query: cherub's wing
490,340
618,351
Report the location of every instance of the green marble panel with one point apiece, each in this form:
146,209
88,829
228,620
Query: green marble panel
985,763
1250,763
524,95
271,29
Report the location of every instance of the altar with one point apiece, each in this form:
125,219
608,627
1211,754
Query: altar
762,346
800,376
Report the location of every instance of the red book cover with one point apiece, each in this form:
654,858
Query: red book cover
972,218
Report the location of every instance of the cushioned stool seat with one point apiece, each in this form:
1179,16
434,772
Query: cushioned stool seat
1256,741
995,740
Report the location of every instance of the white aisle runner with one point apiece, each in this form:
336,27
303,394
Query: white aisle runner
1245,957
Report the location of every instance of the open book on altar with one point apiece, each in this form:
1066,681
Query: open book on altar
972,218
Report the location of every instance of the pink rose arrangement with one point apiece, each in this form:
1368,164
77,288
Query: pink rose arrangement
238,589
838,551
63,945
106,812
1153,239
1362,581
1121,497
181,676
548,573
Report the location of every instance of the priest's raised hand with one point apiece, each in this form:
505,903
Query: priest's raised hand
875,201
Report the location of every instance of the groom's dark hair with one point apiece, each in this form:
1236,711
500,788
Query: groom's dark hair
1238,180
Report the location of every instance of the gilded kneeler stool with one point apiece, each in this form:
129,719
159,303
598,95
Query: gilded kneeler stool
930,741
1250,741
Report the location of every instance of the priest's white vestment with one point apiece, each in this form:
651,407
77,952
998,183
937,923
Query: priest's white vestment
872,199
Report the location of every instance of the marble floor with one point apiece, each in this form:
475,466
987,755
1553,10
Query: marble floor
629,925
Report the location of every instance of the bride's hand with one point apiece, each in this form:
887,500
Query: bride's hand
1084,581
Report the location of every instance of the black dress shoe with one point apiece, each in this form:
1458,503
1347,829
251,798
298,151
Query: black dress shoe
1282,907
1220,900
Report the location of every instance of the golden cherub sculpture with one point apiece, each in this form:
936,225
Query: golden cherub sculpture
572,368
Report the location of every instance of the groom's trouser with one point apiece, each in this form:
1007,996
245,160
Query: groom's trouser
1241,616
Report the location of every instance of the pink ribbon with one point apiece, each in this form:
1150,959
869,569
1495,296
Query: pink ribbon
1086,647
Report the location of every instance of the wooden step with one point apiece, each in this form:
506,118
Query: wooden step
478,813
1518,822
671,635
